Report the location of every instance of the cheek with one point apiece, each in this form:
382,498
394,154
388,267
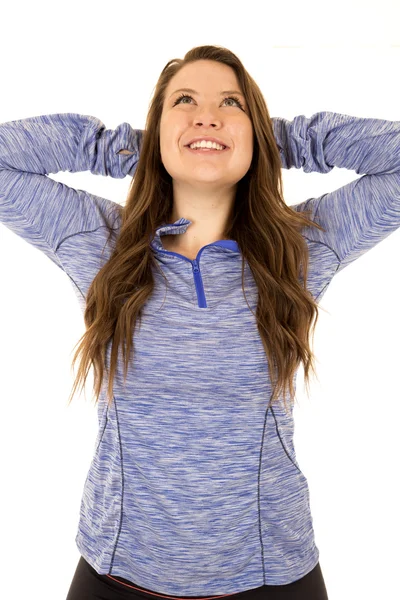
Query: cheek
166,145
165,131
250,143
243,134
245,143
170,125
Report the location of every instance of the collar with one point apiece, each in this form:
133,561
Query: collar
180,226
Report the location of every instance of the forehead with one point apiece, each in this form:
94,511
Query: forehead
204,74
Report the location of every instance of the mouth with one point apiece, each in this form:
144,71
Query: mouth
206,150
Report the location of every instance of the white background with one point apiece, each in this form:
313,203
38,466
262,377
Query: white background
306,57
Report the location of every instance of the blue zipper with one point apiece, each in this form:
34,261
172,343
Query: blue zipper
201,297
198,282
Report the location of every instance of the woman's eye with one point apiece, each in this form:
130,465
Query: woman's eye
190,97
180,98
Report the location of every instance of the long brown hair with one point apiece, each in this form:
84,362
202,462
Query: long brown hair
265,228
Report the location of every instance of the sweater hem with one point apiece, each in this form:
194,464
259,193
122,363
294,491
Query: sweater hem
307,563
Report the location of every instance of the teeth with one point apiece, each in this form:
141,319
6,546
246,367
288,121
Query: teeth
204,144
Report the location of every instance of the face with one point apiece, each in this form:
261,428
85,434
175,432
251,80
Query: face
207,112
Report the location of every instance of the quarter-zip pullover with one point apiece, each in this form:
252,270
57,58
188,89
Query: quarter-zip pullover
194,488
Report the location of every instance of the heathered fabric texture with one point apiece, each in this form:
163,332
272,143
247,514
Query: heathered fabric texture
194,488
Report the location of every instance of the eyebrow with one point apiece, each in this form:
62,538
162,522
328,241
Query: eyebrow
194,92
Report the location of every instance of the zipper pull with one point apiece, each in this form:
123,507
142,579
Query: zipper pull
195,266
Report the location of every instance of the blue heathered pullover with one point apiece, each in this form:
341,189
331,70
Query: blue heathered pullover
194,488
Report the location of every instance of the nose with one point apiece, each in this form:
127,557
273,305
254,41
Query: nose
204,122
206,118
201,123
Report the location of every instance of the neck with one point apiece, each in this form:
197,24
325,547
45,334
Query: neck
209,212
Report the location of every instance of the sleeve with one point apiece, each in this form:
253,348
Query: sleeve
42,211
362,213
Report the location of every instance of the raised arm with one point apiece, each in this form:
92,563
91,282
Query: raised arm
69,142
360,214
41,210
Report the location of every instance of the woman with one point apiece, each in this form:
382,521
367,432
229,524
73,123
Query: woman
194,490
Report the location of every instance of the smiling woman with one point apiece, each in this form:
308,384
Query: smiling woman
194,489
202,279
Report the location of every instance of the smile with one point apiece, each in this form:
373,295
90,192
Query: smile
206,150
